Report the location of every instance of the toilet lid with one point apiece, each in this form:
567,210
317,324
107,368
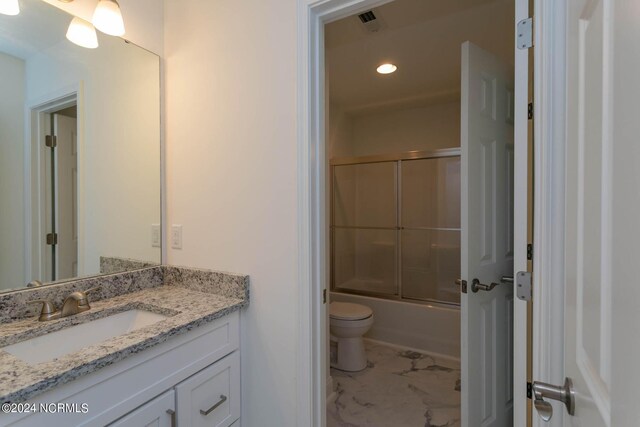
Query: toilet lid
349,311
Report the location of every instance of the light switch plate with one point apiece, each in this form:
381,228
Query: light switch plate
155,235
176,236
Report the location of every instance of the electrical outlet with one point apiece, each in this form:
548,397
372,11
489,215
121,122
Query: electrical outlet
176,236
155,235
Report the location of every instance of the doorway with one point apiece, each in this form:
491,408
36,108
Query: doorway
62,208
421,178
54,190
316,235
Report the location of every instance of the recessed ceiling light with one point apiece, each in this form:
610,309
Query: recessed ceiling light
386,68
9,7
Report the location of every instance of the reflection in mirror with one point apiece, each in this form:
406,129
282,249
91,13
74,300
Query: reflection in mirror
79,152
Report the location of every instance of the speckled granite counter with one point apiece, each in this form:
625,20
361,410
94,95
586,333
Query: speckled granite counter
188,297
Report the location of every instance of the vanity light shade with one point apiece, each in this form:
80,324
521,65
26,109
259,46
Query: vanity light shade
108,18
82,33
9,7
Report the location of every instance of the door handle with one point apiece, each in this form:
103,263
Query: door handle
477,286
564,393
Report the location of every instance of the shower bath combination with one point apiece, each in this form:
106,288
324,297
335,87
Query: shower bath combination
395,226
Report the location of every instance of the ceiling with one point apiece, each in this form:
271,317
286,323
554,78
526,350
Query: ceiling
423,38
37,27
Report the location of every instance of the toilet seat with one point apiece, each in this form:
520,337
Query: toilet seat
349,311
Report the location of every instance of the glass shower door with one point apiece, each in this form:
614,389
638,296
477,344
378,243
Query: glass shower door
430,229
364,228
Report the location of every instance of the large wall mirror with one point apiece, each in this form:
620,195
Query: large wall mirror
79,152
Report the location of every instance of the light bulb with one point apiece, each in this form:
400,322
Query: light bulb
386,68
82,33
9,7
108,18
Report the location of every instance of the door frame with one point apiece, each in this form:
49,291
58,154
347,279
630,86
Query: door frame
312,262
549,211
35,194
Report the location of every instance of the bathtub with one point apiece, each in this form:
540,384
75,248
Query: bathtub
430,328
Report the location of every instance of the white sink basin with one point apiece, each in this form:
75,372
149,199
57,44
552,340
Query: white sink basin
55,344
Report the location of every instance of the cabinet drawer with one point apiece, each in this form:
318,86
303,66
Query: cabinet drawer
212,396
159,412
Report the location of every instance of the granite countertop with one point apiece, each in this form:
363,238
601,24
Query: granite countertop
185,307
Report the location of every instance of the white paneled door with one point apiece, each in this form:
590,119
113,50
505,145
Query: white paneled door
66,196
589,208
487,239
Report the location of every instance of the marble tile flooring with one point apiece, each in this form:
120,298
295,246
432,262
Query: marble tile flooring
399,388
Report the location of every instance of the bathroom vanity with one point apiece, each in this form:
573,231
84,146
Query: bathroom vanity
159,345
144,343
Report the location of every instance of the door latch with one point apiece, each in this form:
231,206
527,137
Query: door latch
564,393
52,239
462,284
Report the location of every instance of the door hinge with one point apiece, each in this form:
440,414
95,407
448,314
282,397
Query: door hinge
529,390
524,37
530,111
52,239
51,141
529,252
324,296
523,285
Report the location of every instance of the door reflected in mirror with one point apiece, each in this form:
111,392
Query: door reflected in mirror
79,152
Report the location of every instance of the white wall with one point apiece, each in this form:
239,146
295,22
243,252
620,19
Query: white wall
119,161
339,132
12,86
143,19
231,174
427,127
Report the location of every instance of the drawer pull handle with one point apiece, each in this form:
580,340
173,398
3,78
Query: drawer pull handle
223,399
172,414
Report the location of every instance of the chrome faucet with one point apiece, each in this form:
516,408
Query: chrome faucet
75,303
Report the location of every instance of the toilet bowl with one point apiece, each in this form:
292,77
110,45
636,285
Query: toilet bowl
348,323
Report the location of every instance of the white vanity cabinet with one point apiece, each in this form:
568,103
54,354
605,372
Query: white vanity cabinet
165,385
160,412
211,397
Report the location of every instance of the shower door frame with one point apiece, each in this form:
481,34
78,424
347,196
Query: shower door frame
385,158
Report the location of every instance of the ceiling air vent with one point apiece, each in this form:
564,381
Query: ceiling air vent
369,20
367,17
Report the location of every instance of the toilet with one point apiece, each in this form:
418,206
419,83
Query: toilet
348,323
